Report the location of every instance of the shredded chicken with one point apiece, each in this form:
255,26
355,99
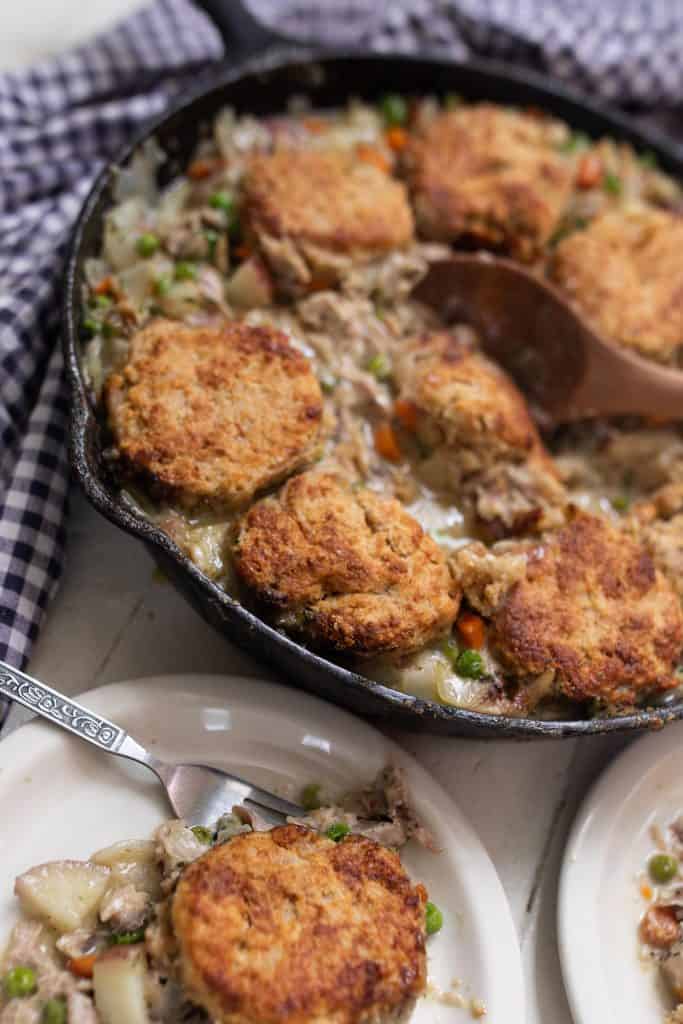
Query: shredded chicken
381,812
30,945
487,575
124,908
176,846
80,1009
80,942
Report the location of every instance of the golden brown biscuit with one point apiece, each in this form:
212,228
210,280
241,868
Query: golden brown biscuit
624,273
592,609
288,927
490,176
211,415
312,212
349,569
484,444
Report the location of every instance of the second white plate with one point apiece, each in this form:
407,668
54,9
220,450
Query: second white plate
599,903
60,798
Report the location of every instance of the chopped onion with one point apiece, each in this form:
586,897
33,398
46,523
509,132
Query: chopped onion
139,178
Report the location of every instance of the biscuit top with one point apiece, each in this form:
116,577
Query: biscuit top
288,927
329,198
624,273
491,174
593,608
213,414
358,572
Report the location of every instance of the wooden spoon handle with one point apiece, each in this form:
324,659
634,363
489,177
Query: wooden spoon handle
616,382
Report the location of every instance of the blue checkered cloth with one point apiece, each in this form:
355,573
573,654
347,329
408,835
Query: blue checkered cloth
62,119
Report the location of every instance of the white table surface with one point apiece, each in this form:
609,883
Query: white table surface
115,619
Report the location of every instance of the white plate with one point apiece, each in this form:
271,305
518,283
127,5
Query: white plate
61,798
599,904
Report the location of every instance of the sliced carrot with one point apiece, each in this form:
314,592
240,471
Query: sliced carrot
386,443
657,421
106,286
372,155
646,891
82,966
471,630
204,167
590,171
316,125
242,252
405,412
320,282
396,139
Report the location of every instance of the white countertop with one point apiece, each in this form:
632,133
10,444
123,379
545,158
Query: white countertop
115,619
34,29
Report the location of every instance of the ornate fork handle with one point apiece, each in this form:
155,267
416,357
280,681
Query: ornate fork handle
62,711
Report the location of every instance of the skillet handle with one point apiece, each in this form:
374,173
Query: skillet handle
242,34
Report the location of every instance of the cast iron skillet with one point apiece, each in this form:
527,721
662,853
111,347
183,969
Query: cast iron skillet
262,86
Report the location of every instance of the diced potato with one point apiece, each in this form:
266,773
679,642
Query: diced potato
65,894
250,286
119,977
122,227
132,862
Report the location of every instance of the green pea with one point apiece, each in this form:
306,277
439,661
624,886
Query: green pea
222,201
380,367
394,109
225,202
452,100
337,831
91,326
470,663
433,918
54,1012
128,938
310,796
103,301
211,237
577,140
185,271
621,503
163,284
328,382
566,228
147,245
662,868
203,834
450,648
20,982
612,184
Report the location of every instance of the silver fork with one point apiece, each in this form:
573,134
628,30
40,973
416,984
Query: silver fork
197,793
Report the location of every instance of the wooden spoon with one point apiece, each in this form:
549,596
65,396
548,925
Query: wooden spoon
560,362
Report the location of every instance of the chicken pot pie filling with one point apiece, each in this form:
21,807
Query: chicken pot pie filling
264,373
233,922
660,931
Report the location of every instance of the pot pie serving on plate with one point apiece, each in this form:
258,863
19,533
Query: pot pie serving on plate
312,921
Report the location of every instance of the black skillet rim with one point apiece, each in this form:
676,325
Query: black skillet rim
400,707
